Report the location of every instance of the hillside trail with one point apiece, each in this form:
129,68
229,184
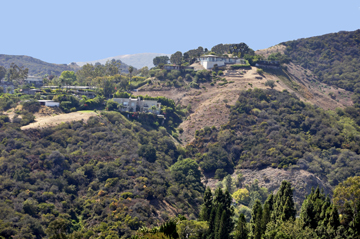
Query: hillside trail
210,106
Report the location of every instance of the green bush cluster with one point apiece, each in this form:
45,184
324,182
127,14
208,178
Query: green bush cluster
81,179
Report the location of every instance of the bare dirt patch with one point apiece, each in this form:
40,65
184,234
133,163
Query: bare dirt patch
53,120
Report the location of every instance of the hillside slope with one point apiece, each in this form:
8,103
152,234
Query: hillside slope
334,58
87,176
210,106
36,67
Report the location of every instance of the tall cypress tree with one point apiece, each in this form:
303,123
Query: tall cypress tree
241,231
270,202
222,232
307,213
324,208
219,212
266,217
219,196
221,204
334,221
212,218
284,207
328,227
255,222
207,205
229,212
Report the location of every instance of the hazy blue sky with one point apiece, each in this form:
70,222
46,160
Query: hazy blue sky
66,31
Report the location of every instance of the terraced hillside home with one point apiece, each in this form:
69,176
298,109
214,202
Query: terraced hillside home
208,61
37,81
132,105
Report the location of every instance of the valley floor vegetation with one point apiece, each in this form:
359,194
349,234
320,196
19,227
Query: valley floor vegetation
275,218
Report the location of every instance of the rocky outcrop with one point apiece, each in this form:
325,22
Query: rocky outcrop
302,181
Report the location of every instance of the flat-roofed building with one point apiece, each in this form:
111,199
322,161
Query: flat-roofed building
208,61
49,103
132,105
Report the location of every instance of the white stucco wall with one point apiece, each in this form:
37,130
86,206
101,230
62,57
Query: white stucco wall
210,64
52,104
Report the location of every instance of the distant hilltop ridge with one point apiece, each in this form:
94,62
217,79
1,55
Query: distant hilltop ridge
36,67
136,60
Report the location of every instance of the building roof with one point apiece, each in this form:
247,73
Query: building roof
46,101
220,57
70,87
212,56
33,79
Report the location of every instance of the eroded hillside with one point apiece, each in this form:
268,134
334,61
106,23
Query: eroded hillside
210,105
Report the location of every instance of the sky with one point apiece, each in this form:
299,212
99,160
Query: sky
71,31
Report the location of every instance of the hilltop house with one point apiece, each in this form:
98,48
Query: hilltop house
208,61
132,105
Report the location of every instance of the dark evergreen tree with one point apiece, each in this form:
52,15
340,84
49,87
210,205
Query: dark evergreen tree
169,229
207,205
266,216
284,203
325,207
255,222
270,202
328,227
307,213
212,218
334,221
219,196
219,211
222,232
241,231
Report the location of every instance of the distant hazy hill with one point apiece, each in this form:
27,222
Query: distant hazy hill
36,67
136,60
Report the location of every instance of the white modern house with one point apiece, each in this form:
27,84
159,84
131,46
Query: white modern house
49,103
132,105
208,61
